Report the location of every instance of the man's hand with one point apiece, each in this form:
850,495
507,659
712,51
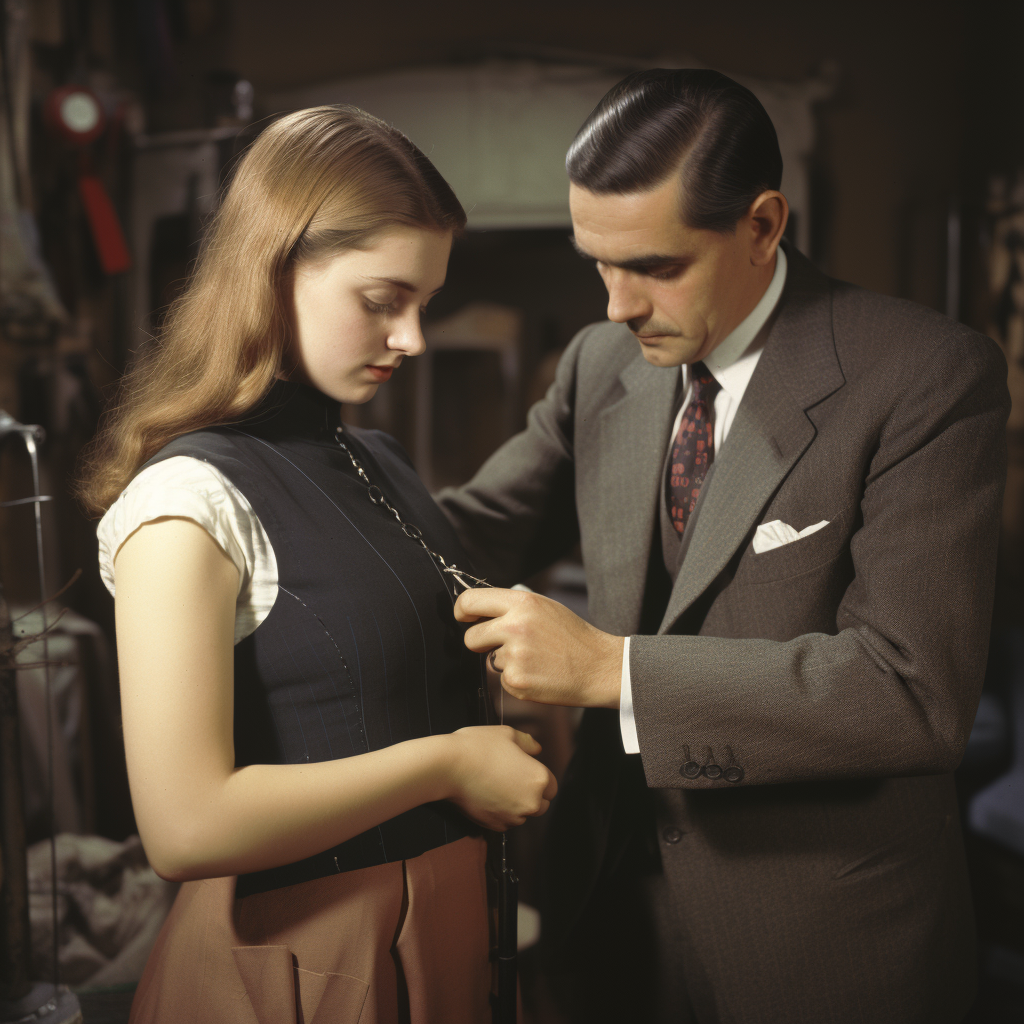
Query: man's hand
543,651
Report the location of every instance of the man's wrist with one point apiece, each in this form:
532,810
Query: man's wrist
610,674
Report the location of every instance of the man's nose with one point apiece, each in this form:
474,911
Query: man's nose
407,336
625,300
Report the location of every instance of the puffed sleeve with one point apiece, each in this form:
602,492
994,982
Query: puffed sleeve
192,489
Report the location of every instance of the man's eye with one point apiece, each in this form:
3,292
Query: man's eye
665,273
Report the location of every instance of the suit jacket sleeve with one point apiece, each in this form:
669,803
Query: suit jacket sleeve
518,513
896,689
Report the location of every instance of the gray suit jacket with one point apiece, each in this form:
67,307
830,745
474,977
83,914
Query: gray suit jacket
800,711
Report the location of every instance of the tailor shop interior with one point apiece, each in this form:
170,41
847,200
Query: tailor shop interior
120,123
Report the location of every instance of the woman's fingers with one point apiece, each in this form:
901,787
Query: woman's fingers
551,789
499,781
527,742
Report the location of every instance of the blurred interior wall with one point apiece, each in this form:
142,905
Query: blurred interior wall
891,138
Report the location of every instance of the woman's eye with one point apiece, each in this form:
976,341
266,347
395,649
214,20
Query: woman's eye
377,307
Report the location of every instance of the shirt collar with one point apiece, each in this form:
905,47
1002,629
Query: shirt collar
730,362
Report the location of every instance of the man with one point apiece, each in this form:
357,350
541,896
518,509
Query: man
790,550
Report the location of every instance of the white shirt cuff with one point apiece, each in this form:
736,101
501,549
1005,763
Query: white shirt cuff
627,724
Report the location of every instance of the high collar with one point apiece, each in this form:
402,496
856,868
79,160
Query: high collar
291,409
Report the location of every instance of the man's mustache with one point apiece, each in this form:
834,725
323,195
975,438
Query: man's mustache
650,328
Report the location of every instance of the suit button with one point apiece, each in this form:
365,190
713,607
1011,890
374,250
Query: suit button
671,834
713,771
690,770
734,773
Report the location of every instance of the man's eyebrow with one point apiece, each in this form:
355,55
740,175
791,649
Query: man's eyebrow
401,284
638,263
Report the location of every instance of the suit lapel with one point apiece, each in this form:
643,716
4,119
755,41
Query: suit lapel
633,436
797,369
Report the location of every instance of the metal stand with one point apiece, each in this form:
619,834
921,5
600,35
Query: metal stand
42,1002
15,944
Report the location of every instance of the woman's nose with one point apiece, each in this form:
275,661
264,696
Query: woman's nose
407,337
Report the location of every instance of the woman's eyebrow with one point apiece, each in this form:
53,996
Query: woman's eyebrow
401,284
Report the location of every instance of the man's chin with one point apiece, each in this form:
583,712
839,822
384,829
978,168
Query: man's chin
658,356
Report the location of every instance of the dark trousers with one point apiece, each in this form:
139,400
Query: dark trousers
624,963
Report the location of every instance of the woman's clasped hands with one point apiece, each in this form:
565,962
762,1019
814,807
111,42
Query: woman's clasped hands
495,777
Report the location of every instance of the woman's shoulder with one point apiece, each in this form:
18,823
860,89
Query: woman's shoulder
180,486
208,445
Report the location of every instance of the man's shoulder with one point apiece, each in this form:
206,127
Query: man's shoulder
875,332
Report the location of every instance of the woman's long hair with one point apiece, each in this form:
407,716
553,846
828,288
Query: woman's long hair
316,182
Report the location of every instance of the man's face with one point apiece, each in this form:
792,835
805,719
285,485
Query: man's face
680,290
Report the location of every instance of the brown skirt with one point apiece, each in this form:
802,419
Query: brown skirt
406,941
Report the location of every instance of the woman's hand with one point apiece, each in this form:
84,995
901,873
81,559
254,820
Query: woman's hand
496,777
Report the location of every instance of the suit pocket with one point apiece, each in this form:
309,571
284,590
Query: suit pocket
795,558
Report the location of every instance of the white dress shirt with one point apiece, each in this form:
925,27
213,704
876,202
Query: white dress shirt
732,364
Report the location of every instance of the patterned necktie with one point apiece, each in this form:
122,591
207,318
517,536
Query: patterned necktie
693,448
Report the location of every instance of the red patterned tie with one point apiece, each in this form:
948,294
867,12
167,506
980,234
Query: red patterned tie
693,448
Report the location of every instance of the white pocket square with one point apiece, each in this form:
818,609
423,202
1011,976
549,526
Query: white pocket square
776,533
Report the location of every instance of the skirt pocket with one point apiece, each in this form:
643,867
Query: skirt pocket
277,989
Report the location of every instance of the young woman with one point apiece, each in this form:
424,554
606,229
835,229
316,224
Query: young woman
299,709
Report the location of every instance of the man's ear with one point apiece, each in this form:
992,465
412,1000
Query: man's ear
766,220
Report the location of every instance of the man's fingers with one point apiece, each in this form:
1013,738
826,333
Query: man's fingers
485,636
484,603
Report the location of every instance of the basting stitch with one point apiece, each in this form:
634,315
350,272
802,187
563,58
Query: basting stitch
344,663
423,639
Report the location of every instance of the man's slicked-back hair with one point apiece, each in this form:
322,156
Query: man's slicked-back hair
708,129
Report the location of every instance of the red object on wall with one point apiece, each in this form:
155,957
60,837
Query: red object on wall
75,114
111,246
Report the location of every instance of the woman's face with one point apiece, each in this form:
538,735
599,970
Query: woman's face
357,314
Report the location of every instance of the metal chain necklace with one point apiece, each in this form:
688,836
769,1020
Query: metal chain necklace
376,495
414,533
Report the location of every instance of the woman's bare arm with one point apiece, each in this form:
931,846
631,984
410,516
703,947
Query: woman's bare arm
198,815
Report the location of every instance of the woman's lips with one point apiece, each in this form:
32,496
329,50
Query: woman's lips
380,373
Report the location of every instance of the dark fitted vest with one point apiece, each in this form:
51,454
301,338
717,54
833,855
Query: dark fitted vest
361,649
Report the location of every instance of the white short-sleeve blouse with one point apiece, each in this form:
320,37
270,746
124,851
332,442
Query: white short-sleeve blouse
189,488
